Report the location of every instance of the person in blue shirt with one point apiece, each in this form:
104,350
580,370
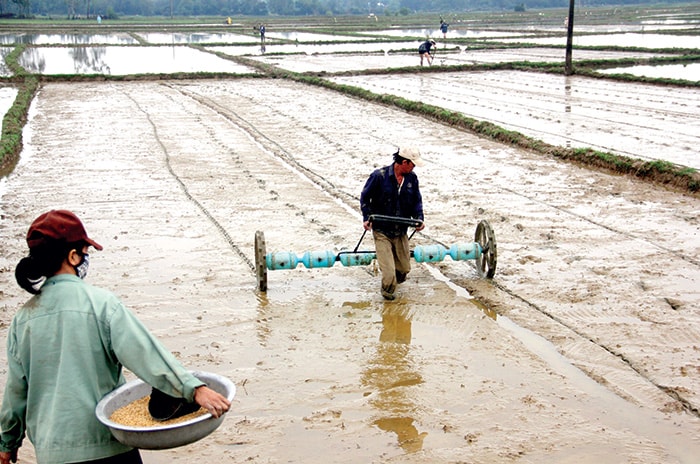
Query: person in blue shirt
393,191
65,351
443,28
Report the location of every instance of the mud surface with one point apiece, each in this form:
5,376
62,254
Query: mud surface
634,120
584,348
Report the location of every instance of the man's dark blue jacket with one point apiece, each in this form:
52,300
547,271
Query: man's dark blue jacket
381,195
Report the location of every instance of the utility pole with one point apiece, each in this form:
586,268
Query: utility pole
568,69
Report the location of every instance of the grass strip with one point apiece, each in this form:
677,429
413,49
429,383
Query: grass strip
14,120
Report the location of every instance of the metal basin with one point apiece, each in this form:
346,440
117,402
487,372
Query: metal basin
161,436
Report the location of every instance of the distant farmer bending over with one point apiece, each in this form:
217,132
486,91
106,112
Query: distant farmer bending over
424,51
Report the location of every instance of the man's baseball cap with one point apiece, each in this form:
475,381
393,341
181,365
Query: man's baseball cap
58,224
411,153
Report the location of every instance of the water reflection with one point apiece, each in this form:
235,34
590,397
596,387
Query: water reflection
4,70
90,60
33,60
391,374
408,436
124,60
67,39
195,37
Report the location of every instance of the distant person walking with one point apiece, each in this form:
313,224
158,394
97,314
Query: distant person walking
443,27
424,51
262,33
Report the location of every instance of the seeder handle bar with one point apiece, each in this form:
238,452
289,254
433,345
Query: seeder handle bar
395,220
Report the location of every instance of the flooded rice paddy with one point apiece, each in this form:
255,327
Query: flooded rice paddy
582,349
629,39
66,39
330,57
178,176
165,38
125,60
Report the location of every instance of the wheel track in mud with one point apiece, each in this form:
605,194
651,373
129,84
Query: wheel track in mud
189,196
674,395
671,393
276,150
279,152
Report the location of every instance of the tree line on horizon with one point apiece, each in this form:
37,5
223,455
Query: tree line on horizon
113,9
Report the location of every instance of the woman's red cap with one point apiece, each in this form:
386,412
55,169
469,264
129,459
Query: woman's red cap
58,224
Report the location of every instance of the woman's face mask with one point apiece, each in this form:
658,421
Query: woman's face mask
81,269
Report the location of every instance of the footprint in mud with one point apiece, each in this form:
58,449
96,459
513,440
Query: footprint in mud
529,259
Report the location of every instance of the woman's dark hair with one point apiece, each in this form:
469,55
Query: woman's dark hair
43,262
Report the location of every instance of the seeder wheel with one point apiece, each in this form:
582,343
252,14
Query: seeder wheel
260,267
486,260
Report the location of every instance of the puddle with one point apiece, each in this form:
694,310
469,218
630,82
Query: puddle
68,39
408,436
619,40
124,60
165,38
689,72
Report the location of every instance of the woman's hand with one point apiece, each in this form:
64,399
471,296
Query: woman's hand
6,457
210,400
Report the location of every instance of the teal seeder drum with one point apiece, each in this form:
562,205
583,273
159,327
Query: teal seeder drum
482,251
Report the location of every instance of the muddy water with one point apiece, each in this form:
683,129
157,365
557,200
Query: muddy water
177,177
